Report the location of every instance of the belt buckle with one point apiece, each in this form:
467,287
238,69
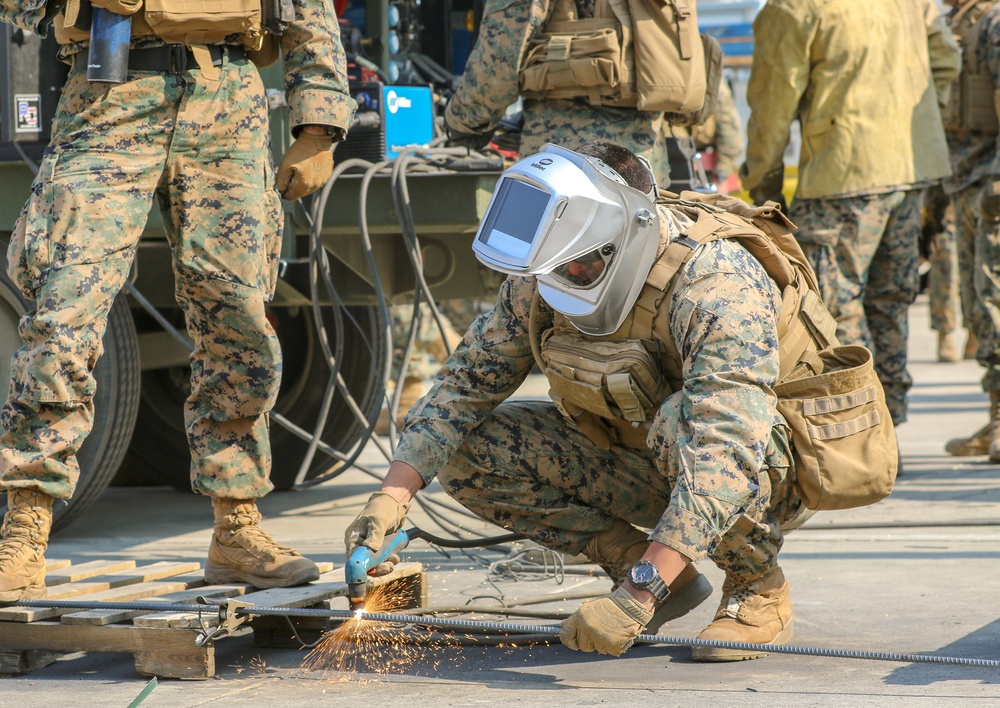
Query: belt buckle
178,58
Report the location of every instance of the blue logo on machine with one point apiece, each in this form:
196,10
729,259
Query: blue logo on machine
409,117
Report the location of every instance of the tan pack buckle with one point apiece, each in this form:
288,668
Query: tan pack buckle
178,58
559,48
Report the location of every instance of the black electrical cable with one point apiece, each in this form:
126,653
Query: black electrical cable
383,321
472,543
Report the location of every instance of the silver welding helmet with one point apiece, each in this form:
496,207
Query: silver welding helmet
573,223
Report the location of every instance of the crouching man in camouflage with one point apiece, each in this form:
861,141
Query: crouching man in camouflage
694,449
188,127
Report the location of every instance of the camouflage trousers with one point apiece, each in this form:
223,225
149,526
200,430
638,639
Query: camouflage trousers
979,254
201,148
429,350
866,254
570,124
526,469
943,278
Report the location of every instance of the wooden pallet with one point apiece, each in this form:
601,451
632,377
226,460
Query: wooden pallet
162,644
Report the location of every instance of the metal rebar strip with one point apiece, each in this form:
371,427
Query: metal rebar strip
516,628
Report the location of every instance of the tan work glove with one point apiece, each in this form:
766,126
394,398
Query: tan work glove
119,7
382,516
306,166
769,189
608,625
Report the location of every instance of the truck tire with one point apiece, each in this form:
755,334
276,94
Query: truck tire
116,400
159,446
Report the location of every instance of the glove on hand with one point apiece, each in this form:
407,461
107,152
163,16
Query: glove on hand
608,625
989,201
306,166
473,141
769,189
381,516
119,7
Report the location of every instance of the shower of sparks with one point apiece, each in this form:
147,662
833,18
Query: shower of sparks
358,644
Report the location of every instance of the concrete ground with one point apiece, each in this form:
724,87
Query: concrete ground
916,573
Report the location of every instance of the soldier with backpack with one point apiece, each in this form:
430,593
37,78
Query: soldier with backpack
665,328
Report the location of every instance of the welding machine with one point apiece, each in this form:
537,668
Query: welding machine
388,119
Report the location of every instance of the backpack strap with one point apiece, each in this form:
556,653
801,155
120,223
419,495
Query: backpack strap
659,282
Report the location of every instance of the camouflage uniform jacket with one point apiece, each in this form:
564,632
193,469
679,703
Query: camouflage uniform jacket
722,131
709,440
490,84
865,80
314,64
973,154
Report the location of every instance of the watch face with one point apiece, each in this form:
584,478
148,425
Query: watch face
642,574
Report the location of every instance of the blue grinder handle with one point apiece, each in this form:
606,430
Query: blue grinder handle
110,35
364,559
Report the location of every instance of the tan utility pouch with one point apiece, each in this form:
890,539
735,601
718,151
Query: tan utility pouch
972,105
669,56
713,77
842,434
611,379
577,58
204,21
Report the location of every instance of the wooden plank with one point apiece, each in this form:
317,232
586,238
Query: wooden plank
136,591
329,585
56,564
168,653
153,571
22,662
102,617
91,588
73,573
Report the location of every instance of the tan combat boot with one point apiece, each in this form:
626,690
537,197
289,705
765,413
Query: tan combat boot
980,442
242,552
994,448
971,346
23,540
947,350
616,551
413,391
758,612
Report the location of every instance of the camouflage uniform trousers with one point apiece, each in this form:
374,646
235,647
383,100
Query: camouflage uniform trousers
526,469
866,254
943,280
979,254
201,148
429,351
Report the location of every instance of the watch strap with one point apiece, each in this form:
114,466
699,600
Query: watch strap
655,585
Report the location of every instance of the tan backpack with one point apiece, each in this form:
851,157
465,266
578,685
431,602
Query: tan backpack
843,439
644,54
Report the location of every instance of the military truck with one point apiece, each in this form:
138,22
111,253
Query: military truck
327,309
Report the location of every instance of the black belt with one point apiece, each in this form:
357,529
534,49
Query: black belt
178,58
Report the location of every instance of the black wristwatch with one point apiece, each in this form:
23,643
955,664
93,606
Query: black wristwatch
644,576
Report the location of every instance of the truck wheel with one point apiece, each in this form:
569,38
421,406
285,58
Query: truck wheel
159,446
116,400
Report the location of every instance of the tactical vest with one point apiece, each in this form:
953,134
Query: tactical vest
611,387
973,104
644,54
256,22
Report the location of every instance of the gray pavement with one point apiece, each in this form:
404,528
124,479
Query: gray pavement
916,573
